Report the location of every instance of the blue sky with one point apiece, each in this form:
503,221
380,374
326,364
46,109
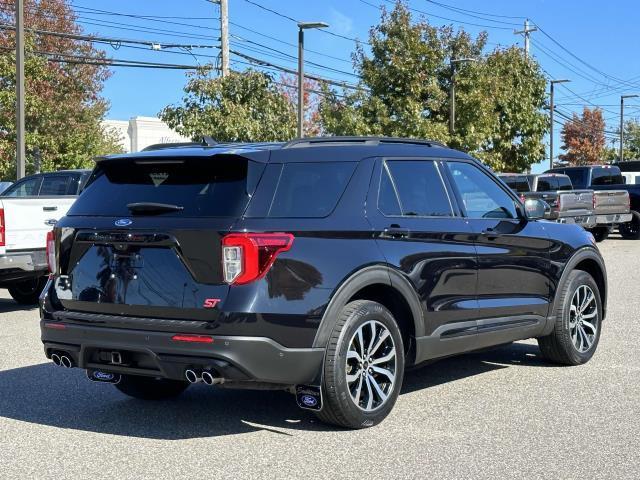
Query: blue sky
593,43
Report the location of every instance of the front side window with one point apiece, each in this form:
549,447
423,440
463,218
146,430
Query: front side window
481,196
413,188
26,188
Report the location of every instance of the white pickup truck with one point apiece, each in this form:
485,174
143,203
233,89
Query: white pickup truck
28,210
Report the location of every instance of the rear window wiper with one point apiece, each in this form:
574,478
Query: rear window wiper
151,207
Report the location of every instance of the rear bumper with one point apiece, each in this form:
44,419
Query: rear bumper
22,264
613,218
251,359
586,221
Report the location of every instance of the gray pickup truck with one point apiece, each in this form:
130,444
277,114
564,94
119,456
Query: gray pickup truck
565,204
611,197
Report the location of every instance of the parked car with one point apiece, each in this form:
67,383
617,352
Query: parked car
4,186
615,204
321,266
565,204
28,210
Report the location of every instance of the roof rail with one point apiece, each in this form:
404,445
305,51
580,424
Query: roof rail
373,141
206,141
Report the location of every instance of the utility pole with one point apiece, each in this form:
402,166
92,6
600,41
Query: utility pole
302,26
622,97
452,92
20,127
224,36
551,108
526,32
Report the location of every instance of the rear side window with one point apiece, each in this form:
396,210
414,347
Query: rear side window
564,183
413,188
55,185
606,176
546,184
310,190
211,187
26,188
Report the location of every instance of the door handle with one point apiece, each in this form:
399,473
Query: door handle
395,232
490,233
49,209
51,222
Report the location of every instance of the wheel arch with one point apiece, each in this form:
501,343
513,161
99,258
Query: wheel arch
381,284
588,260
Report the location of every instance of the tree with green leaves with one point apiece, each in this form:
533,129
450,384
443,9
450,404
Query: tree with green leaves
405,84
241,107
63,106
632,139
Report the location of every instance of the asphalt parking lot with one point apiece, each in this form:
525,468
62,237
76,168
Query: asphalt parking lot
497,414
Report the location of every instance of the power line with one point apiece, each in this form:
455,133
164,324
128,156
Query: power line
287,17
461,10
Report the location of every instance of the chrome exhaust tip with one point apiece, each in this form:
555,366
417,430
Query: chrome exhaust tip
209,379
191,376
55,358
66,361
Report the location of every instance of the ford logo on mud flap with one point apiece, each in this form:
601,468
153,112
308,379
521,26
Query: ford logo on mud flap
309,401
123,222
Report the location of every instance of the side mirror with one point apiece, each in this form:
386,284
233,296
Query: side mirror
536,208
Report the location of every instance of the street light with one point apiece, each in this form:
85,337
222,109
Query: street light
551,107
622,97
302,26
452,91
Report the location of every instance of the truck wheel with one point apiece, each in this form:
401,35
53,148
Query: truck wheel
149,388
27,292
600,233
631,230
363,366
578,324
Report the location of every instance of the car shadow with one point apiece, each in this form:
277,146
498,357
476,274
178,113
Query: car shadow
7,306
53,396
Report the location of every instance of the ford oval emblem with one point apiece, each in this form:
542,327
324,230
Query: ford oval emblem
309,401
123,222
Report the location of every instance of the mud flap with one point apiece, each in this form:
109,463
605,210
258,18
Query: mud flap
103,377
309,397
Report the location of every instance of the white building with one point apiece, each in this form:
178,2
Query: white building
140,132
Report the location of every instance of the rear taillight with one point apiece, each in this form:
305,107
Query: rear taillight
2,229
248,256
51,252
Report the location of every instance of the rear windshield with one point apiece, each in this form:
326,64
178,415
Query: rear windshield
209,187
310,190
564,183
606,176
517,183
546,184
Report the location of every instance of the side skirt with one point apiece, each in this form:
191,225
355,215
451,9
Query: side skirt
460,337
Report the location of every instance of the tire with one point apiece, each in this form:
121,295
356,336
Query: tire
339,393
600,233
27,292
149,388
562,346
631,230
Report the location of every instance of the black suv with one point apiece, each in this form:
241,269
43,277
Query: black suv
324,267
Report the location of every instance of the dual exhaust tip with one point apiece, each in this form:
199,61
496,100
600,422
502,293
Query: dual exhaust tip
207,377
62,360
